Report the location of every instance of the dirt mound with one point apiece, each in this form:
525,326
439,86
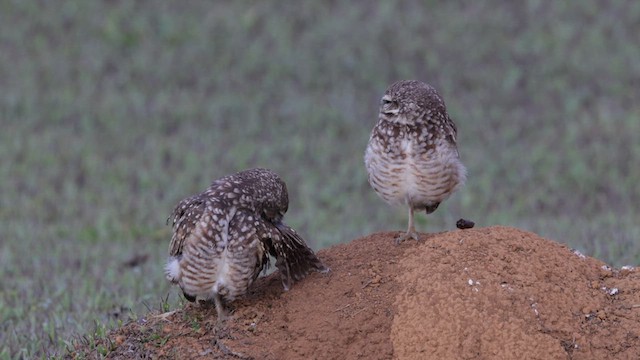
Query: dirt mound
488,293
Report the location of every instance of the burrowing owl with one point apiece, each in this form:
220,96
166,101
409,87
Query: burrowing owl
412,158
222,238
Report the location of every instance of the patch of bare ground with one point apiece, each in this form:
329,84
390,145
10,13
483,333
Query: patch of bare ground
485,293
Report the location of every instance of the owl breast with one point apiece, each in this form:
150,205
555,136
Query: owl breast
414,170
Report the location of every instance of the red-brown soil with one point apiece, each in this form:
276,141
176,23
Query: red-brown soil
486,293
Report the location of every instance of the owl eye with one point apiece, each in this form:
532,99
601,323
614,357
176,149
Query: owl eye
386,100
388,105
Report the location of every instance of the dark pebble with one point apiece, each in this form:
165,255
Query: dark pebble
465,224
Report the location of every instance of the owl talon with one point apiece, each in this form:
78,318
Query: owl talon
406,236
220,323
226,350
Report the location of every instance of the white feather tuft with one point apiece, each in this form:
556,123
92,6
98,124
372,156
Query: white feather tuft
172,269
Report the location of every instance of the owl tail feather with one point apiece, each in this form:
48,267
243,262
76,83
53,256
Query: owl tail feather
294,258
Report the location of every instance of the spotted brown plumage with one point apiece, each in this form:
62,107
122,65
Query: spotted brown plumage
222,238
412,158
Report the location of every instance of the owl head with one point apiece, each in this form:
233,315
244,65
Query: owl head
408,101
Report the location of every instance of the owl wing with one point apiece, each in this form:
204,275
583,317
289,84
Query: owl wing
454,128
294,259
452,135
184,219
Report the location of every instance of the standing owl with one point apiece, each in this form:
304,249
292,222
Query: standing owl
412,158
222,238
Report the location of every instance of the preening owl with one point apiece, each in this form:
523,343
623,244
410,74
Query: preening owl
222,238
412,158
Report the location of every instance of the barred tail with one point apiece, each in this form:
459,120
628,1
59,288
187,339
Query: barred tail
294,258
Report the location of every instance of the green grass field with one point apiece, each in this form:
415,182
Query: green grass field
111,112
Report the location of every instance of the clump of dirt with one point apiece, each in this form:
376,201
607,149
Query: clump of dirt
494,292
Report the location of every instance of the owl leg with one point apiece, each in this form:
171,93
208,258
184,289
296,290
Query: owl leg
222,312
411,230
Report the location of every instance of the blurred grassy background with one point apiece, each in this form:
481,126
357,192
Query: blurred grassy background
112,111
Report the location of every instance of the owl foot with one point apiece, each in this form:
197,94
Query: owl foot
408,235
222,319
223,332
226,351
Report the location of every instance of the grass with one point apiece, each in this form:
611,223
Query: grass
113,111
